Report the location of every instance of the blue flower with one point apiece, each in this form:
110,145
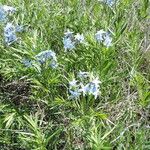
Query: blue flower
27,63
74,89
91,88
9,28
11,38
2,15
19,28
108,2
9,34
70,40
68,34
104,37
73,83
68,44
43,56
79,38
54,64
8,9
52,55
86,88
74,94
82,74
94,87
108,40
100,35
4,10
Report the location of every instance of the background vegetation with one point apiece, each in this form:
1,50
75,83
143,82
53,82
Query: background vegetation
35,110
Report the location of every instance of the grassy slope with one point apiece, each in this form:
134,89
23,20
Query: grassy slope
35,110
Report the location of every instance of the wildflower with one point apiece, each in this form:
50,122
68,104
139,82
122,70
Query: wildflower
91,88
104,37
70,40
52,55
19,28
2,15
108,40
9,28
79,38
74,94
108,2
100,35
8,9
10,39
42,57
45,55
27,63
83,74
68,34
73,83
54,64
96,82
74,89
4,10
9,33
84,89
68,44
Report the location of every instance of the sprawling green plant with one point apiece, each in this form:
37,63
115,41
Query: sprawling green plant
74,74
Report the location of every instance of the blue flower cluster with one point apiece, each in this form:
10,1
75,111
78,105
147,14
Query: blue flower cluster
45,56
70,40
6,10
86,85
10,33
9,30
103,37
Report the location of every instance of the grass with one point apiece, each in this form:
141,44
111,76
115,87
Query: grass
35,110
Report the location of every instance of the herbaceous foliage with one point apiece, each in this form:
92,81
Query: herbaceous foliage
74,74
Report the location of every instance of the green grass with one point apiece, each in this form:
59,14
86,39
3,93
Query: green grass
35,110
